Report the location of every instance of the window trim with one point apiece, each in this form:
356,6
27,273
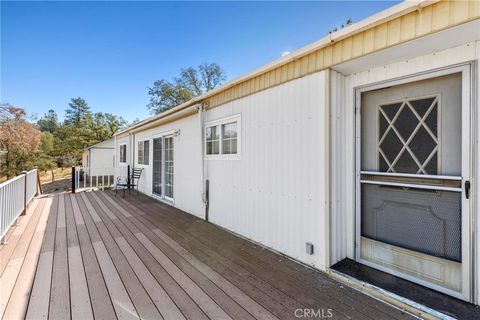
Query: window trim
218,123
138,153
120,153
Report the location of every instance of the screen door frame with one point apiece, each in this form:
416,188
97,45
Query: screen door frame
467,277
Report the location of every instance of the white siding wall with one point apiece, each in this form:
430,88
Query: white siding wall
276,193
476,172
187,167
344,234
121,168
338,174
101,161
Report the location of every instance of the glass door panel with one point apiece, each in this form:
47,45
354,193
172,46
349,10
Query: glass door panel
169,167
157,167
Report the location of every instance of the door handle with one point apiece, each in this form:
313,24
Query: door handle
467,189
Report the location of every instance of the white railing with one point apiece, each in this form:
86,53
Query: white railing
15,195
95,177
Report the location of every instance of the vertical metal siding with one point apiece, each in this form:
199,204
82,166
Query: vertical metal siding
477,173
338,247
276,193
187,165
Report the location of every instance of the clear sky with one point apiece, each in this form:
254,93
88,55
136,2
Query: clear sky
110,52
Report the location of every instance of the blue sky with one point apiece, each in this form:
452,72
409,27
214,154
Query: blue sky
110,52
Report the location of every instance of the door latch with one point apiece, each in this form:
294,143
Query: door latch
467,189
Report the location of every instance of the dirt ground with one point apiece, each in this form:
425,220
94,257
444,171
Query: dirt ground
60,182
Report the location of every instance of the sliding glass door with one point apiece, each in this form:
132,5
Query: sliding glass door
168,167
163,167
157,167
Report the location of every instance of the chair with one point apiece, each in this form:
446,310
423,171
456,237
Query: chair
126,183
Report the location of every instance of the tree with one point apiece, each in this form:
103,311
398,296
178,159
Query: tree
104,125
77,112
18,140
190,83
46,142
49,122
69,142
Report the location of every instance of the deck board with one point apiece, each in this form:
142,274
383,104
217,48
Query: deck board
79,294
122,303
21,290
99,297
141,300
13,237
92,255
14,265
60,288
185,303
210,237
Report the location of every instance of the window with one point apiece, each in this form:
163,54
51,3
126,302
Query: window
213,140
123,153
222,138
143,152
408,136
229,138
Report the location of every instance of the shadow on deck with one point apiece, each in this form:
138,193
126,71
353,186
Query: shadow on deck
93,255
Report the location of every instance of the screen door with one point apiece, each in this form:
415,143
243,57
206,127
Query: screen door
412,198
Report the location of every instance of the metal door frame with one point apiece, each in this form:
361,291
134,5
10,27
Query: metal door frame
163,135
468,214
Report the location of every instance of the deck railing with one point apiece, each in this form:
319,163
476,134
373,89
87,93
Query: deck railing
96,177
15,195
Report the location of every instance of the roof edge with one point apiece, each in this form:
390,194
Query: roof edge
372,21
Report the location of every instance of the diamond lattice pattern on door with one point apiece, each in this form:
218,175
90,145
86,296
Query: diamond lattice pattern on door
408,136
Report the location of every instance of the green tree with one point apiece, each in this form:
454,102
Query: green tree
77,112
49,122
190,83
104,125
69,142
46,142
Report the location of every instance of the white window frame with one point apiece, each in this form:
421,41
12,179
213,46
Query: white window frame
138,153
119,153
218,123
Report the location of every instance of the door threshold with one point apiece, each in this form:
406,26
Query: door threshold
404,294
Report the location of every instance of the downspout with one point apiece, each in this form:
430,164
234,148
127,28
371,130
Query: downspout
114,158
205,197
89,162
133,151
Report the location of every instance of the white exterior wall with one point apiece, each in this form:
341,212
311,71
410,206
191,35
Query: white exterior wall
343,231
100,159
276,194
121,168
101,162
280,191
187,162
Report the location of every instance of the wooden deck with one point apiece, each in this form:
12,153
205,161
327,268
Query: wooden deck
92,255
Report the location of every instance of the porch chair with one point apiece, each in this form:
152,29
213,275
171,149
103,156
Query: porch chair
124,183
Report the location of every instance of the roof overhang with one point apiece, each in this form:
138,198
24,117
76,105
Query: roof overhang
368,23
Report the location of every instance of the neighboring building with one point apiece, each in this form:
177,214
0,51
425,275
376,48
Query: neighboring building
99,159
363,144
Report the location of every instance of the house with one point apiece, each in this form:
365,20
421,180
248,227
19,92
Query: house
98,160
362,145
